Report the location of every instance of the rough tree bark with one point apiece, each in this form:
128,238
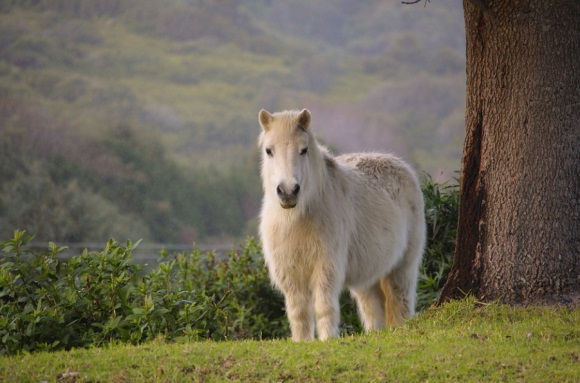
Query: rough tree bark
519,221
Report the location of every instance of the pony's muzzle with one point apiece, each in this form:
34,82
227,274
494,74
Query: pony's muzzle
288,199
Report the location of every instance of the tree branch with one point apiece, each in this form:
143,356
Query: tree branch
415,2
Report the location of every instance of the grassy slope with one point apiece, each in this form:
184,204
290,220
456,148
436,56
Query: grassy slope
462,341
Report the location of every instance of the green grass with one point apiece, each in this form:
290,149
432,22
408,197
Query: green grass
461,341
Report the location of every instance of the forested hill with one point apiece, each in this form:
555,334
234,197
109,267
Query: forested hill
138,118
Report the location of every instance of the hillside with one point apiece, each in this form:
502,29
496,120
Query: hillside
138,118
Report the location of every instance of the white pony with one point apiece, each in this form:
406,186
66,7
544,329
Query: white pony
327,223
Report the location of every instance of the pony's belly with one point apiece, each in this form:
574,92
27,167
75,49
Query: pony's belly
372,261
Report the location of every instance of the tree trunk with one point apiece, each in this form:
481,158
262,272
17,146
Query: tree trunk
519,222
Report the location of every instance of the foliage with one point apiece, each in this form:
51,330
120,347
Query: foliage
441,212
51,304
124,186
98,297
63,210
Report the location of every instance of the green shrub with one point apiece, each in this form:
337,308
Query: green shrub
47,303
441,212
230,296
98,297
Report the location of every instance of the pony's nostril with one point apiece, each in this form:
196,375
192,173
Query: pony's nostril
283,194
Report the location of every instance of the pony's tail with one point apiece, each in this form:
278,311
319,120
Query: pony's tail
395,309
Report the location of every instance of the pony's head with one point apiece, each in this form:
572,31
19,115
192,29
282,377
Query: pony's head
289,152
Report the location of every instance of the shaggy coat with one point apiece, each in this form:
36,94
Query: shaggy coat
327,223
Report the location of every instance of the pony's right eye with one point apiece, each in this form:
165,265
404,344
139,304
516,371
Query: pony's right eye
269,152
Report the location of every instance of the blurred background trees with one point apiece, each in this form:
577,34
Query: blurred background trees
137,118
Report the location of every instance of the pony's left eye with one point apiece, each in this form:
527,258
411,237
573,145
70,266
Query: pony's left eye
303,151
269,152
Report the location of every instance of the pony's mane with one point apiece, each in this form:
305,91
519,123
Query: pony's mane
327,156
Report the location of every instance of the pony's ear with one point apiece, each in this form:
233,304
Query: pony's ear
265,119
304,119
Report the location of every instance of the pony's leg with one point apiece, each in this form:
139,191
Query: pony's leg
395,308
327,307
400,287
371,306
300,316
